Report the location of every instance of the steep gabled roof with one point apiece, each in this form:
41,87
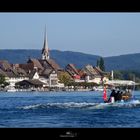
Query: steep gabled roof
14,71
45,64
5,65
27,67
32,73
82,73
21,71
90,70
50,63
101,72
53,64
46,72
35,62
72,69
11,74
3,73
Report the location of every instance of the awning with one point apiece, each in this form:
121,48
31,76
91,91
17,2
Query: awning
121,83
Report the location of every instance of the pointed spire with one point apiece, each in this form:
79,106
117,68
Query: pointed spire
45,50
45,36
45,33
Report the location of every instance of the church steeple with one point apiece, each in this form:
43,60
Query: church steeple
45,49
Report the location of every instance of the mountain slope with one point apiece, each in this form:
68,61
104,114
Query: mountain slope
62,58
122,62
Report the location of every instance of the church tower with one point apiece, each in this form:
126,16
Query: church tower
45,49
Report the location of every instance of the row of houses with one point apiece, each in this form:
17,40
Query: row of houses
35,73
43,73
89,74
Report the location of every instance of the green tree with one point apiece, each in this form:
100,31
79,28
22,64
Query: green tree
98,63
118,75
2,79
101,64
3,82
65,78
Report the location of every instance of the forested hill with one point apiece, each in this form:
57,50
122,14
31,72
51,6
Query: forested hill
122,62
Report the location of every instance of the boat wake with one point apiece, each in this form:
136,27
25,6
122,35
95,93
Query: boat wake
83,105
60,105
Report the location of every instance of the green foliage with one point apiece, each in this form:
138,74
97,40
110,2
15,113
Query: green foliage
100,64
118,75
127,75
2,79
65,78
3,82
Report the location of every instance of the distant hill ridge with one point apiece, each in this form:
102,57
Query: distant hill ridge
122,62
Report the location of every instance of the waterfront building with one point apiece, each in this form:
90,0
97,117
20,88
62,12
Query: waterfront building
34,74
12,73
73,72
36,64
50,73
88,74
31,84
94,74
44,69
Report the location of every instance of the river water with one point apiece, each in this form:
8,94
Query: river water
66,110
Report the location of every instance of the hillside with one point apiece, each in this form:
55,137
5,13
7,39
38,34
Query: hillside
122,62
62,58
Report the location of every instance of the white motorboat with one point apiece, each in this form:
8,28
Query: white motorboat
11,89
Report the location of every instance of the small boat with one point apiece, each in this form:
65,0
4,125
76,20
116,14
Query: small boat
11,89
119,95
100,88
121,92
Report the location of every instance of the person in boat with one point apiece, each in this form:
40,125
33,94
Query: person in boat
113,94
127,94
119,95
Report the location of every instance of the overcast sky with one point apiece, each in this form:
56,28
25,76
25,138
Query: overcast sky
105,34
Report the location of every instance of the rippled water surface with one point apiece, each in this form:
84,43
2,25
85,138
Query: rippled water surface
66,110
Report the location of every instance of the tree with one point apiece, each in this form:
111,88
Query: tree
3,82
2,79
100,64
97,63
65,78
118,75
